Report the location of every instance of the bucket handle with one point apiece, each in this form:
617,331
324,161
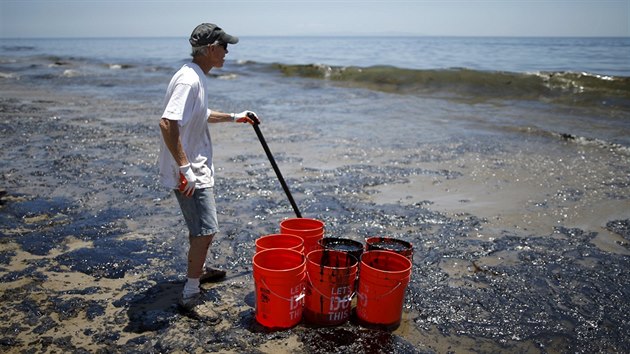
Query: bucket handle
382,296
349,298
300,297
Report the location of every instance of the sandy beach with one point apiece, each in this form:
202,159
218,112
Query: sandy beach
519,246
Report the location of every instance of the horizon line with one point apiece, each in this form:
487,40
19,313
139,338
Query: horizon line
326,35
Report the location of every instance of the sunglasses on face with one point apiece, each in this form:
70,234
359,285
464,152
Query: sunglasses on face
221,44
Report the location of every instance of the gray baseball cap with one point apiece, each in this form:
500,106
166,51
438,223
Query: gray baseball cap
208,33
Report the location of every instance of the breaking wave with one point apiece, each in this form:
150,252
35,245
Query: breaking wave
561,87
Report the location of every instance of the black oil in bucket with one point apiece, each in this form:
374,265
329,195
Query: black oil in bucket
354,248
390,244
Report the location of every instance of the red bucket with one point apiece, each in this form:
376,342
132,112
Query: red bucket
279,277
382,284
330,287
310,230
286,241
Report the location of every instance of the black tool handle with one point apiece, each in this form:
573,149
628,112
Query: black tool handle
273,163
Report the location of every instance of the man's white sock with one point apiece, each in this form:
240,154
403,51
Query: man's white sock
191,288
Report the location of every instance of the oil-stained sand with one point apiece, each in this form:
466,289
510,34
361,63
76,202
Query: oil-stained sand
515,250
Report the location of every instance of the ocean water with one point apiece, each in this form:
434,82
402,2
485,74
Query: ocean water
577,88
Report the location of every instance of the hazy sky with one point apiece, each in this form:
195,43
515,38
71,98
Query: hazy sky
112,18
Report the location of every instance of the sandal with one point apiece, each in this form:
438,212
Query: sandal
197,308
211,275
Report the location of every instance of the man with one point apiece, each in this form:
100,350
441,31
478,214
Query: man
185,160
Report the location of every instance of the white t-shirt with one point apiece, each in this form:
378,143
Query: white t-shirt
186,101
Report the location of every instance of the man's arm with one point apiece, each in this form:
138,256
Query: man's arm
220,117
243,117
170,134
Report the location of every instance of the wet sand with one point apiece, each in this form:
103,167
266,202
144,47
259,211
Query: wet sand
516,249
